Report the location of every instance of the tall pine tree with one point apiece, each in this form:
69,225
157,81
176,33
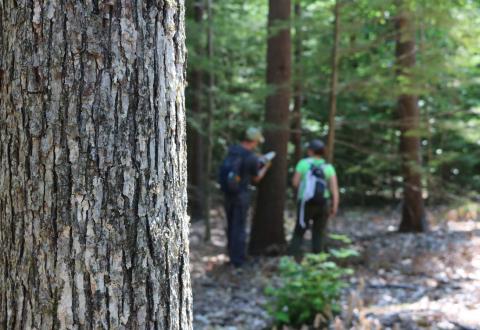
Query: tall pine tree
267,235
413,214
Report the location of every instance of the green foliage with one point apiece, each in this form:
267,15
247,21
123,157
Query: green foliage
309,288
445,80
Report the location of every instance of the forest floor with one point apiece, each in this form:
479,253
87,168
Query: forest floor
401,281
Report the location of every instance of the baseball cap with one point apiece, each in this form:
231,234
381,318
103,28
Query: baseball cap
254,134
316,145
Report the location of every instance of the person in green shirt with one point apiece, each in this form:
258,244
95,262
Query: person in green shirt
316,214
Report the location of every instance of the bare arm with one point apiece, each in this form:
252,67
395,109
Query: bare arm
261,173
296,180
333,183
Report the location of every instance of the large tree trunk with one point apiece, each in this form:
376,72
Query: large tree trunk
195,137
296,135
413,215
267,234
333,83
93,225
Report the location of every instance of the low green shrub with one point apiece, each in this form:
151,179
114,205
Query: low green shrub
309,289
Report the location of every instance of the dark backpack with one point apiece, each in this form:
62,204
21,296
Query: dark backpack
229,176
318,184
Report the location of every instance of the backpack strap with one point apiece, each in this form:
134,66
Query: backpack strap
312,164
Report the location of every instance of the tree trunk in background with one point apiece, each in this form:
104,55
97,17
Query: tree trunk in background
333,83
267,235
206,201
413,215
296,135
195,138
93,227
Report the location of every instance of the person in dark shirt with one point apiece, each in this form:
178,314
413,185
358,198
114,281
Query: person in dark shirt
237,205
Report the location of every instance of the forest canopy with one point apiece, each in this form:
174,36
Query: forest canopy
445,79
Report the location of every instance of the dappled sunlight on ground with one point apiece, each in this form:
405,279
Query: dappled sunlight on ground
402,281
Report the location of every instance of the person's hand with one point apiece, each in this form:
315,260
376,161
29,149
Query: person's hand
263,170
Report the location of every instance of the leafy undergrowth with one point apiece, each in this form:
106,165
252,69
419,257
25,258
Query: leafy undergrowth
309,290
401,281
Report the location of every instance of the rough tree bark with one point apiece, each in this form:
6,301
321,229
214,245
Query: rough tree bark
413,214
195,138
333,83
296,135
93,225
267,235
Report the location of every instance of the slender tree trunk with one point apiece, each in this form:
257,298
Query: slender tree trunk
296,135
195,137
333,83
413,217
93,224
267,235
209,125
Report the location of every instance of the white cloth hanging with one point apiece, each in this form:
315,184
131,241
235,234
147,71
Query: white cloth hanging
308,185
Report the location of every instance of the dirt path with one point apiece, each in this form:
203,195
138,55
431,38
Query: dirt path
402,281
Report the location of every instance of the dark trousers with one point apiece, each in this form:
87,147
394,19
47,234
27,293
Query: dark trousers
317,215
236,208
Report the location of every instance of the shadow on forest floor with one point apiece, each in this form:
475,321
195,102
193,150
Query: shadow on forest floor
401,281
